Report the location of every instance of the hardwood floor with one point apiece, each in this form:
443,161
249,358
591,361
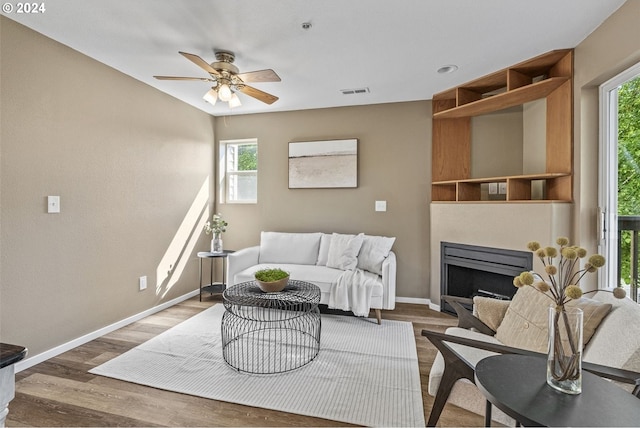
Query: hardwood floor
61,392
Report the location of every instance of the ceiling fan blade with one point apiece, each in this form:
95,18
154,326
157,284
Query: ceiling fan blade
205,79
200,63
260,76
258,94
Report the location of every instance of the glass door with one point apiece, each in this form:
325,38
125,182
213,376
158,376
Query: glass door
619,179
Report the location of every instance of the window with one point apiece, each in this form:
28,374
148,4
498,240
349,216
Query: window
239,171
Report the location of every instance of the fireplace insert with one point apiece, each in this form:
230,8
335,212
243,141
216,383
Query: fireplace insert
472,270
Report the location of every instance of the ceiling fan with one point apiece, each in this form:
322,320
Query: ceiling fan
227,79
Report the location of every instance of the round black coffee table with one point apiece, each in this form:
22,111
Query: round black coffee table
517,385
269,333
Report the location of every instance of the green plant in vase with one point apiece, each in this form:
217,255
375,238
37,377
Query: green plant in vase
216,226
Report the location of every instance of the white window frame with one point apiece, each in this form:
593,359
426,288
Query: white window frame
224,174
608,173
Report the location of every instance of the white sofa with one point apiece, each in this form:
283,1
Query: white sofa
321,258
613,326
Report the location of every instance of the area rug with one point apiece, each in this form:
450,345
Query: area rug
365,373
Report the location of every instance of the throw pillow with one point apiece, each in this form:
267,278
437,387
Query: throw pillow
373,252
323,253
490,311
526,322
343,251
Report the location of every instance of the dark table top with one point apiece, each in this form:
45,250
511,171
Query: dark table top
10,354
517,385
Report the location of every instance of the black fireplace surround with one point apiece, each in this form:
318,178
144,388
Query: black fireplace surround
471,270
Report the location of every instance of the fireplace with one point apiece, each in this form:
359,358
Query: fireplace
471,270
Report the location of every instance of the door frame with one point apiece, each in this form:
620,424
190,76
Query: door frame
608,174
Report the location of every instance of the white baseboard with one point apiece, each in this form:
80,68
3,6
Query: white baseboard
36,359
419,301
414,300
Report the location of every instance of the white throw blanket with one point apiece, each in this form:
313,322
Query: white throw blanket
352,292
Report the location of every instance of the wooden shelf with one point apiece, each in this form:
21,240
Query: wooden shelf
504,100
548,76
543,176
518,188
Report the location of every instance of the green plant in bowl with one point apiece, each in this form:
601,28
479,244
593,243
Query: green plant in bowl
271,280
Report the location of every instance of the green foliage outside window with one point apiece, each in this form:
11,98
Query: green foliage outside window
628,163
247,157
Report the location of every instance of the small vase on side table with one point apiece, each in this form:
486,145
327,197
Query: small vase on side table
564,362
216,243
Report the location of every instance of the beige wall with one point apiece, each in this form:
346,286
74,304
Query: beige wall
610,49
496,144
394,164
128,163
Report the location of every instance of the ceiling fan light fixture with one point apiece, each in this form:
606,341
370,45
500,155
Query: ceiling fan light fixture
234,101
211,97
224,93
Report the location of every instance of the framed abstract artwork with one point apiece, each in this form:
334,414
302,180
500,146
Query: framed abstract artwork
323,164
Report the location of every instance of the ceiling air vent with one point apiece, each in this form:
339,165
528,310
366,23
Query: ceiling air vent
354,91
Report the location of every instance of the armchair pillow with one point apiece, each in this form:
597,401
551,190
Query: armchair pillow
526,324
490,311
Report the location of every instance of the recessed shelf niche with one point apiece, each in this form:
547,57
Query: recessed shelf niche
547,78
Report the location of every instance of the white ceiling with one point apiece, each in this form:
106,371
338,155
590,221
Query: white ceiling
391,47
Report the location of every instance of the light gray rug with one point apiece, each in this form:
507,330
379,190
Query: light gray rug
364,374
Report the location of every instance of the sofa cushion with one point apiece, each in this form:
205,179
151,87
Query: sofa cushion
299,248
373,252
322,276
343,251
526,322
323,252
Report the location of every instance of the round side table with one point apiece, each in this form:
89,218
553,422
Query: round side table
213,287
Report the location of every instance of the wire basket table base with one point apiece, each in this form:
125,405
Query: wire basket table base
267,333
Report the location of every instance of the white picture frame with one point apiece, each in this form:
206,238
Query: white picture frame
327,164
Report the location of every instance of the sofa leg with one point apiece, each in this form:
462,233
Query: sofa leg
379,316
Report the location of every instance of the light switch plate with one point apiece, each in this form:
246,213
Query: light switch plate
493,188
502,188
381,205
53,204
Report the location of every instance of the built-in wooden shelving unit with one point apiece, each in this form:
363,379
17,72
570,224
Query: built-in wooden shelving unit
549,76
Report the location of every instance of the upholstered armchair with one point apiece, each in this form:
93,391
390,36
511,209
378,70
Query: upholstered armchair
519,327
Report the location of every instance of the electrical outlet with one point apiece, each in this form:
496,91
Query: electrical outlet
502,188
143,283
493,188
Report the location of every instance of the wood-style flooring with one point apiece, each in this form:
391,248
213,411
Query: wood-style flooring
61,392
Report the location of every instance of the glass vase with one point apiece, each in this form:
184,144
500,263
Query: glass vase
216,243
564,361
